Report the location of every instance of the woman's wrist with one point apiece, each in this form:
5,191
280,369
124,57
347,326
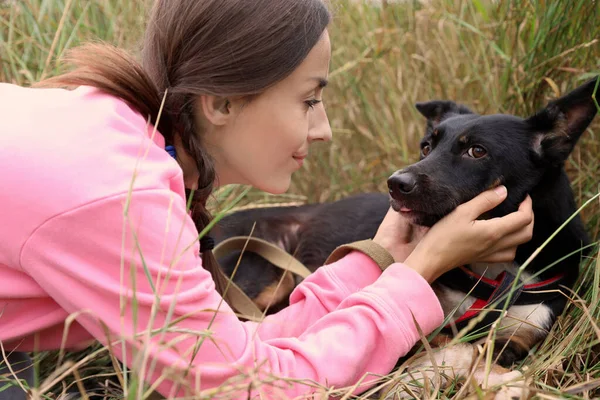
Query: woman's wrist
425,265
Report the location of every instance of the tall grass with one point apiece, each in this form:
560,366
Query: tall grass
508,56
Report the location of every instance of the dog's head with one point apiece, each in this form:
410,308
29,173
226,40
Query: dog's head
464,154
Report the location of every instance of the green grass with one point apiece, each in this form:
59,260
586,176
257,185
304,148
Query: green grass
508,56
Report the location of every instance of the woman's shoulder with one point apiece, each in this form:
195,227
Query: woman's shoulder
73,147
63,110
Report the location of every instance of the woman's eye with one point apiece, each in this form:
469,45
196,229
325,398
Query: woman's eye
425,150
312,103
476,152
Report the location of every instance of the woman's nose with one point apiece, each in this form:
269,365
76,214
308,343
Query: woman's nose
319,128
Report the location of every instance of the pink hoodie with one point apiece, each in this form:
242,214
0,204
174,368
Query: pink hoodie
94,223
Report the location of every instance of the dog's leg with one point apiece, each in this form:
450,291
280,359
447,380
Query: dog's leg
521,328
277,293
463,363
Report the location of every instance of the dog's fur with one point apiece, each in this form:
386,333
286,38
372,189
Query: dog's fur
525,154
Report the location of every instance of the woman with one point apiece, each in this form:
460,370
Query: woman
97,243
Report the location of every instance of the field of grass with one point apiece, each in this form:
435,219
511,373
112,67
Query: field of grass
493,56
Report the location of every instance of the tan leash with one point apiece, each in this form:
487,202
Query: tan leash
238,299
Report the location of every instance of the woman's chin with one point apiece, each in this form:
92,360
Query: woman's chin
275,186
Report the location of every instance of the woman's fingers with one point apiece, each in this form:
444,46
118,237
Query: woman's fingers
513,222
484,202
506,247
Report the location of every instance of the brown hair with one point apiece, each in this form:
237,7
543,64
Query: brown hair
195,47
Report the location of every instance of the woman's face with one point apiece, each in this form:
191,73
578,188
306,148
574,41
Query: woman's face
262,142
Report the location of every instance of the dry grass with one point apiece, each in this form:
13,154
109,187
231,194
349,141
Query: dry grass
507,56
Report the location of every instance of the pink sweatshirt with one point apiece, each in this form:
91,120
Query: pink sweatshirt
94,228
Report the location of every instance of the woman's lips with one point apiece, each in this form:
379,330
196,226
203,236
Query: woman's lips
300,158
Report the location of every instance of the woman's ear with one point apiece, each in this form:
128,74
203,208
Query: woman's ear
216,110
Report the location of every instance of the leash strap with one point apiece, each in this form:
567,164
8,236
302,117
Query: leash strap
237,298
274,254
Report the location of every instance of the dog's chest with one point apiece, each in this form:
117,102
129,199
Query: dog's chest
535,315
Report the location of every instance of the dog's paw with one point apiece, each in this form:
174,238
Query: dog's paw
512,385
512,393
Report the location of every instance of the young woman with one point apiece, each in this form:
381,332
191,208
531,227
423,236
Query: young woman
96,242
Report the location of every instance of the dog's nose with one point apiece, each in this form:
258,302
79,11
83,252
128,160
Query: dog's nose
402,183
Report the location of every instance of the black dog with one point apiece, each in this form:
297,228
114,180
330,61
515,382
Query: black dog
462,155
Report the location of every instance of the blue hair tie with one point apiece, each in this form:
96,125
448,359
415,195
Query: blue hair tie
171,150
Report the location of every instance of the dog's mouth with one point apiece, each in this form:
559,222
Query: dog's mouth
398,207
416,215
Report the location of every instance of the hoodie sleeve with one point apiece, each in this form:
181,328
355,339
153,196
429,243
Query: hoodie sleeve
127,266
319,294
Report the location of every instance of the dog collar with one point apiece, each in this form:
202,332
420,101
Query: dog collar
491,294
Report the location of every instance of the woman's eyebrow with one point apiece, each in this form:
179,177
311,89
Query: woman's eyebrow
322,81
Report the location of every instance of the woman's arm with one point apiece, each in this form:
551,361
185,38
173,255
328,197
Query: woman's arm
319,294
141,276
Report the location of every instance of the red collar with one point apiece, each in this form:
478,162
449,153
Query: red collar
493,293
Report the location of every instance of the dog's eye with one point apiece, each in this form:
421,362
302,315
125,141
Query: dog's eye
425,150
476,152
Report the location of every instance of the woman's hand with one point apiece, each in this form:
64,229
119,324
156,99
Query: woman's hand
460,238
398,236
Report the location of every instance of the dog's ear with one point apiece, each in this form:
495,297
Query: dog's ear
437,110
558,126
